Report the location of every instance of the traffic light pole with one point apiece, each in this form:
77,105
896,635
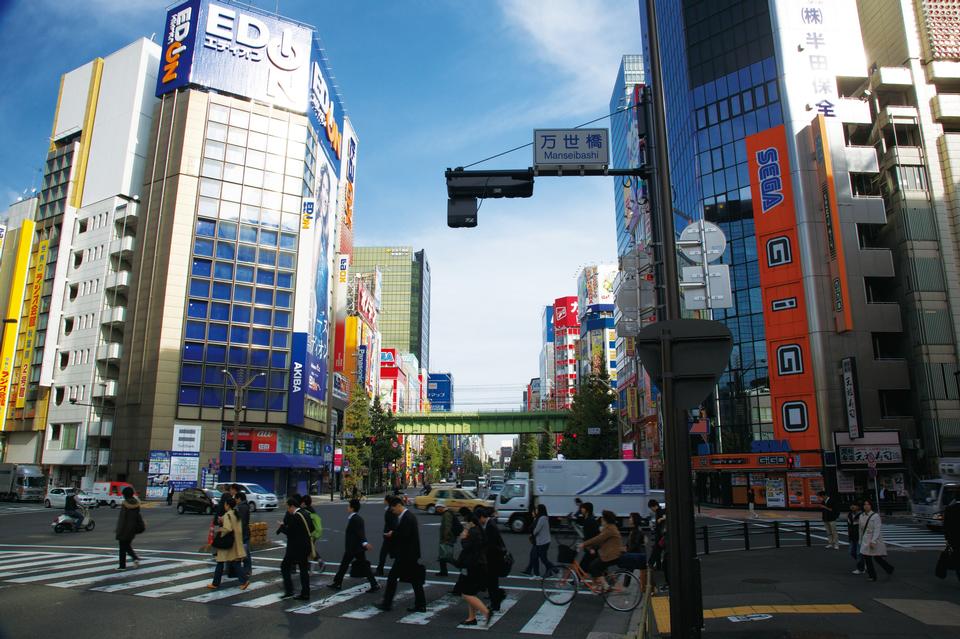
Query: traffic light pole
683,566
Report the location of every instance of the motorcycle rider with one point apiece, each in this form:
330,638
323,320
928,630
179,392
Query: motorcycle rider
72,510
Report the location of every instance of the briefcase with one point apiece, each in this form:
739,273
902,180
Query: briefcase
360,568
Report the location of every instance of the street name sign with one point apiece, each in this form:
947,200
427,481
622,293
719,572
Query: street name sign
571,148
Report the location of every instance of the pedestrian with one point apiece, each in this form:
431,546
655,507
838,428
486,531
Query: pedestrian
473,565
389,523
316,532
872,546
243,513
951,531
496,556
170,491
129,525
296,526
829,516
230,549
853,535
658,520
751,503
355,547
450,529
577,516
589,530
405,549
608,545
539,544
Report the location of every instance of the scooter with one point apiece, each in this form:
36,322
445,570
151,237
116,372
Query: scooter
65,523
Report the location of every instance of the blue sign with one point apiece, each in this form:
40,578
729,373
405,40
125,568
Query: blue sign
770,446
324,109
327,449
362,364
179,38
440,392
548,330
295,392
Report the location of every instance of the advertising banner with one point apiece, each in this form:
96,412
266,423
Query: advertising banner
184,469
547,320
362,364
776,490
566,312
249,440
827,195
295,392
158,474
11,318
341,387
366,304
179,40
33,316
848,367
318,337
595,286
340,304
781,282
186,438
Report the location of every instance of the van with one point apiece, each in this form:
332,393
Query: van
258,497
110,492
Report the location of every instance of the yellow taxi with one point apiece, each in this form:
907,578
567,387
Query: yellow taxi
454,498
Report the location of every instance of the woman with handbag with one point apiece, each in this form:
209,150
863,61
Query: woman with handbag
228,543
473,565
872,546
129,525
539,544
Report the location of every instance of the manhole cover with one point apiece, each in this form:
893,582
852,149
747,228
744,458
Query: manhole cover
761,580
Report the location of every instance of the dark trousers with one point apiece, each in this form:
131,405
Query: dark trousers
286,567
126,548
880,560
236,570
248,560
538,554
405,569
348,558
497,594
384,551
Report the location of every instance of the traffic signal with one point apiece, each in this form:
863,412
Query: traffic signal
461,212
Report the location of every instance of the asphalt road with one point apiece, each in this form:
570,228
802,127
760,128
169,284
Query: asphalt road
39,599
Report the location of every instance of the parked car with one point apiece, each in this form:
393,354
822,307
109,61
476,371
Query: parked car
258,497
197,500
57,498
454,498
110,492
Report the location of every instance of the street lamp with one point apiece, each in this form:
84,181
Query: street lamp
238,394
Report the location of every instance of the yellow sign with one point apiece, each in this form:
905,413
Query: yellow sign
33,315
11,319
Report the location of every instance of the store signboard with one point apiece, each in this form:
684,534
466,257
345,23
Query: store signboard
881,446
851,399
186,438
776,492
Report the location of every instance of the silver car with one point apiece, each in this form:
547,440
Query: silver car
57,498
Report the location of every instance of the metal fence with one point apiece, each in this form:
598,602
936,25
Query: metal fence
751,535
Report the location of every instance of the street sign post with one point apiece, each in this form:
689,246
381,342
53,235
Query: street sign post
706,285
571,148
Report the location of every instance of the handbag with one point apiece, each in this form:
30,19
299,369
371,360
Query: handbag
223,541
947,560
533,540
507,564
359,568
141,526
446,552
313,550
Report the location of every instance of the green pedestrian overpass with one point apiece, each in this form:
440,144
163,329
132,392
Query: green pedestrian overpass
487,423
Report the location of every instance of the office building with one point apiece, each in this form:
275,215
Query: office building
405,297
547,354
596,352
566,329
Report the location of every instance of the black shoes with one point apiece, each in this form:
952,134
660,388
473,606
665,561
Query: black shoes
382,606
334,586
303,597
468,622
373,588
417,609
379,572
287,595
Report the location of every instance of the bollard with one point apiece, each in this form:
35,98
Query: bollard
776,533
746,536
806,530
706,540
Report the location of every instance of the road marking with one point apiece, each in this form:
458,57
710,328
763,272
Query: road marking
130,585
223,593
21,562
86,581
505,607
546,619
174,589
371,611
38,566
434,607
327,602
260,602
72,573
13,556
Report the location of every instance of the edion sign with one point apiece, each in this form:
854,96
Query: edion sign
178,40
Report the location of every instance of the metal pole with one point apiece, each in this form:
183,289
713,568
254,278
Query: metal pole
236,426
686,605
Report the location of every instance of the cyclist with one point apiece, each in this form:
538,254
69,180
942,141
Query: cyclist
608,544
588,528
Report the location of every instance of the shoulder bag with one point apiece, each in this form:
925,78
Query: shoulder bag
306,527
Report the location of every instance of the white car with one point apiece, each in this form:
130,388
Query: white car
258,497
469,484
57,498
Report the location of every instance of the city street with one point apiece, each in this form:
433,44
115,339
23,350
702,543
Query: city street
73,574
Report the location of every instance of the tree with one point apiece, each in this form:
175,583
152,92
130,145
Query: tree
383,433
446,454
472,465
527,450
356,435
547,446
592,408
432,458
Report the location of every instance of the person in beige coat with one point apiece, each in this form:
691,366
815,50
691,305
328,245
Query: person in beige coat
235,553
872,546
608,544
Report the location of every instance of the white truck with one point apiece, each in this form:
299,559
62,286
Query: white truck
619,485
932,496
22,482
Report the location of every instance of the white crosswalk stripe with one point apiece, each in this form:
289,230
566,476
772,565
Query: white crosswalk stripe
13,556
74,573
140,583
896,535
328,602
145,570
223,593
505,607
546,619
39,566
433,607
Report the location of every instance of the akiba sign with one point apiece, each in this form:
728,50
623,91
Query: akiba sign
248,53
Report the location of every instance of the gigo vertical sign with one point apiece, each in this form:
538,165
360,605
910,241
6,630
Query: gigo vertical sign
33,315
781,282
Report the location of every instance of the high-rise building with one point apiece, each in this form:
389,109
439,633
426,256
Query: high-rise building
598,338
566,329
547,363
405,298
777,111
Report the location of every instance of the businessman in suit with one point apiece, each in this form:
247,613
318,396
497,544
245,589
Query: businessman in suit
495,552
405,549
297,527
389,523
355,548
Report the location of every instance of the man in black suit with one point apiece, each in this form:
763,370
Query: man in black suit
389,523
495,551
405,549
355,548
297,527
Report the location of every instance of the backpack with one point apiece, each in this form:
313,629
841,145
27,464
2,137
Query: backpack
317,531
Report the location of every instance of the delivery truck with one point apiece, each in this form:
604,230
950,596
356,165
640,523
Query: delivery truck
22,482
932,496
618,485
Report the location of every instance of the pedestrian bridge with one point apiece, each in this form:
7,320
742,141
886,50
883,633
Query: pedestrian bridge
488,423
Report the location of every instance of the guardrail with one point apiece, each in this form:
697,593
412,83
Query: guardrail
755,535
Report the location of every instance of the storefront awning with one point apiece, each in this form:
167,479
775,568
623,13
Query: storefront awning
270,460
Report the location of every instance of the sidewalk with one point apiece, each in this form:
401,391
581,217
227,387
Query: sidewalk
810,593
742,514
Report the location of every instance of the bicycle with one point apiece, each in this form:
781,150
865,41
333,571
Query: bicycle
621,589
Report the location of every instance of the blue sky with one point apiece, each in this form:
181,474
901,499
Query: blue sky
427,84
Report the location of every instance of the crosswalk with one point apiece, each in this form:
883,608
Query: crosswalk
896,535
524,611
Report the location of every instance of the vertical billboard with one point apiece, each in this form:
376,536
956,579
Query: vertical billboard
547,321
178,43
566,312
33,317
827,198
781,282
595,286
11,318
318,334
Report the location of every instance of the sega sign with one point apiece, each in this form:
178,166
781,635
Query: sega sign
769,177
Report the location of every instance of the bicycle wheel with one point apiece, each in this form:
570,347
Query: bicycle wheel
560,585
623,591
